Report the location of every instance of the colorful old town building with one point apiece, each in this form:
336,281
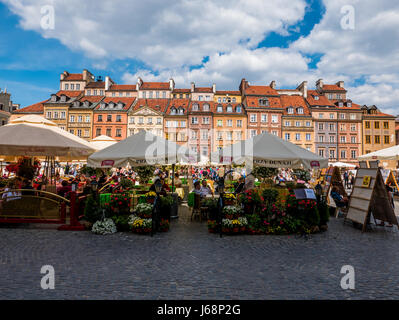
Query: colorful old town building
200,126
297,122
56,109
75,81
80,116
147,114
176,121
110,117
263,108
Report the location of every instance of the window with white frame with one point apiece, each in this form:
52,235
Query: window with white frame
220,123
253,133
229,122
263,118
353,139
274,119
353,154
308,137
72,118
239,123
300,110
204,134
194,120
252,117
343,139
205,120
287,136
287,123
297,136
297,123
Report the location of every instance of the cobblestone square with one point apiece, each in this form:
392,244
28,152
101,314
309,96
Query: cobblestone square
190,263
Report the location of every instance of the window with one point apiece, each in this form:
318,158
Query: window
220,135
118,118
263,102
204,150
118,133
205,120
238,135
182,124
234,100
113,94
274,119
80,118
205,107
48,114
332,153
195,107
338,96
219,99
252,118
376,125
368,139
343,139
99,118
340,104
377,139
72,119
108,132
308,123
321,138
55,114
238,108
321,126
352,116
300,110
94,92
353,127
87,134
287,136
164,94
72,131
321,116
199,98
343,154
274,133
101,92
150,94
66,86
181,110
229,135
109,118
220,123
330,96
73,88
297,123
219,109
229,123
386,139
386,125
79,131
239,123
229,108
342,115
297,136
204,134
308,137
63,114
194,120
316,97
98,132
353,139
342,127
288,123
88,92
321,153
253,133
87,118
332,127
331,115
367,124
332,139
263,118
290,110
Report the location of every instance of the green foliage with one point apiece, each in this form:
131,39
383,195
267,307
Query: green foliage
323,212
263,172
254,221
270,195
302,174
145,173
121,222
89,171
126,183
92,211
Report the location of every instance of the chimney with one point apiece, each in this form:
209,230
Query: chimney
319,84
171,84
63,75
303,87
273,85
192,86
340,84
214,88
243,85
107,83
85,74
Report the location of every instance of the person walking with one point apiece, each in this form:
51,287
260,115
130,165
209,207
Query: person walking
346,179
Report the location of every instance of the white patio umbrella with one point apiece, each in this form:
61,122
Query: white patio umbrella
391,153
102,142
32,135
140,149
268,150
342,164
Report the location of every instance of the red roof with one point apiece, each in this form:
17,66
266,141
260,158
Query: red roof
203,89
92,99
96,84
70,94
253,102
155,86
74,77
332,87
177,103
233,93
127,101
261,91
123,87
294,101
34,108
323,101
200,105
181,91
155,104
379,114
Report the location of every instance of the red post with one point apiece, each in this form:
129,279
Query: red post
74,224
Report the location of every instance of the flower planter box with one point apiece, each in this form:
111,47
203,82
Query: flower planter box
150,200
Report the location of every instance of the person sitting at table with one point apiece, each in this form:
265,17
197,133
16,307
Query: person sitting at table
339,200
205,189
178,182
152,187
65,189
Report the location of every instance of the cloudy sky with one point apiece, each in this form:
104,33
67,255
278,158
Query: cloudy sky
203,41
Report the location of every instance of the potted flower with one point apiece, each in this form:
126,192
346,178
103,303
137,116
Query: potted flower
150,196
212,225
229,199
164,225
119,203
144,210
231,212
250,199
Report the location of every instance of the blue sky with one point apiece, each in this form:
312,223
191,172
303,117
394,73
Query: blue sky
286,41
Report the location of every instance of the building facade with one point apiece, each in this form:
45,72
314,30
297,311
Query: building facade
147,115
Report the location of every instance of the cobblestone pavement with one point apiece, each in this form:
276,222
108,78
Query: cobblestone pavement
190,263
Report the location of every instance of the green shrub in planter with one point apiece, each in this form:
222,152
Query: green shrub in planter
270,195
92,211
121,222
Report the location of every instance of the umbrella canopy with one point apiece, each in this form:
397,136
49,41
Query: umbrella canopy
102,142
391,153
140,149
342,165
33,135
268,150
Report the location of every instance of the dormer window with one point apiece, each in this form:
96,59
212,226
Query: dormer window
229,108
316,97
205,107
238,109
63,98
195,107
340,104
102,105
120,105
181,110
86,104
290,110
173,110
264,102
53,98
300,110
349,104
76,104
111,105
